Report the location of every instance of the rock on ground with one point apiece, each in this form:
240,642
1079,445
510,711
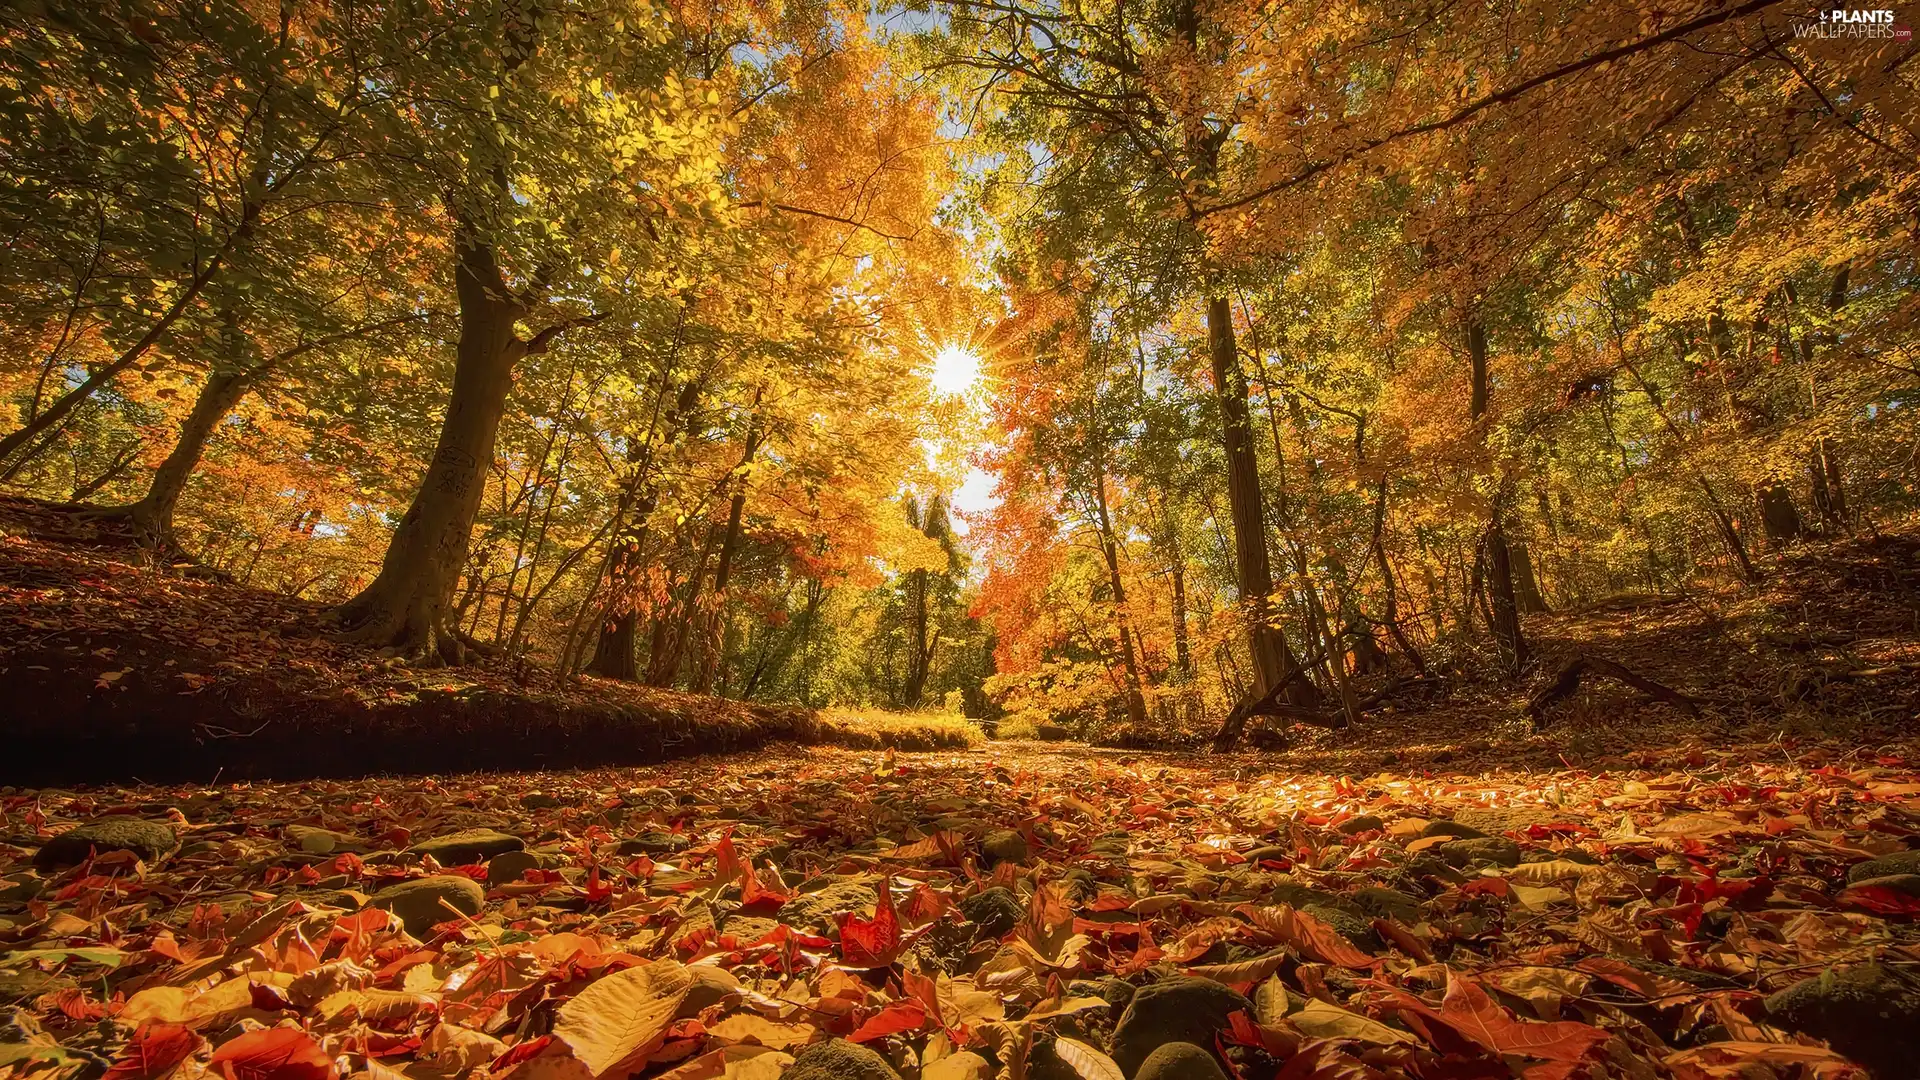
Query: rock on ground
150,840
1900,862
1181,1009
417,902
1180,1061
1493,849
820,908
838,1059
1004,845
1869,1013
467,846
994,910
1444,827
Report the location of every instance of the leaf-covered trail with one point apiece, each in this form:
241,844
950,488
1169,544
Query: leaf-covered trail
965,914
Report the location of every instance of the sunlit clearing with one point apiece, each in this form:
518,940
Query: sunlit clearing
955,370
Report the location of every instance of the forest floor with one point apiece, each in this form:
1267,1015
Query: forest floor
1015,910
1445,893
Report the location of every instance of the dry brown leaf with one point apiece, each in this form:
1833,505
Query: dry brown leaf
619,1019
1090,1063
1327,1021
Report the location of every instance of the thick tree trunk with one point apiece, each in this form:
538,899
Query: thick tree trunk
407,605
673,630
1273,661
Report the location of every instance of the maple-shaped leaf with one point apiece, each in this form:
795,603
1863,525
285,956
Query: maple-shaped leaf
153,1052
272,1054
871,943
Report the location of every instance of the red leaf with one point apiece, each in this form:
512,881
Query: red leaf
895,1018
520,1053
1468,1010
871,943
1276,1041
1491,886
153,1052
1881,900
754,894
727,860
1304,932
273,1054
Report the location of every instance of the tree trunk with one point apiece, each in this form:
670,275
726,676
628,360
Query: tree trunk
1390,585
152,516
1273,661
711,644
614,654
1830,490
1110,552
1182,645
672,630
1526,584
1504,610
1778,515
406,606
1504,616
920,661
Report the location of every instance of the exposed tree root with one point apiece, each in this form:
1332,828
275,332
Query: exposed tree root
1568,680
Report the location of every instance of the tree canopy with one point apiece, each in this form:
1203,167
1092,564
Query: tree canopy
1320,344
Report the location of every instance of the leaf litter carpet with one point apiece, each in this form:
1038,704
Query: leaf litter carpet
1014,912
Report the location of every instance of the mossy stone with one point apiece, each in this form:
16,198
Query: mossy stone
150,840
1180,1061
417,902
1869,1013
838,1059
995,911
468,846
1180,1009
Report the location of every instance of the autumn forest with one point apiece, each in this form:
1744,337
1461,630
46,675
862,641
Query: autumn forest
1313,449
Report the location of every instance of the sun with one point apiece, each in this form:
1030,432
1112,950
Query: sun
955,369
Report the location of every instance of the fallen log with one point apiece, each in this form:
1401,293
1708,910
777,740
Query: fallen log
1567,680
1268,704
